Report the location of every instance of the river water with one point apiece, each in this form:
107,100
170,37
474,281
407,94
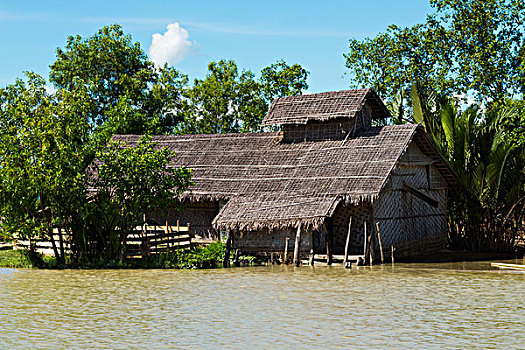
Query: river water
409,306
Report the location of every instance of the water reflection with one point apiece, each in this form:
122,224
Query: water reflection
464,305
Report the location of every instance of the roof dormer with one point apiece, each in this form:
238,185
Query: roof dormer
327,115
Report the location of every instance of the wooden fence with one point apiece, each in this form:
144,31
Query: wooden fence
143,241
147,239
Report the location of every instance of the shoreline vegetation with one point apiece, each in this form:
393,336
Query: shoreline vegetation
198,257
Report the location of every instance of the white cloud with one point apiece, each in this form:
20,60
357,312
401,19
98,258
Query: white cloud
171,47
50,89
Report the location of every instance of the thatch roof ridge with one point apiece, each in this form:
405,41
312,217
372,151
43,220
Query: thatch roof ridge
193,137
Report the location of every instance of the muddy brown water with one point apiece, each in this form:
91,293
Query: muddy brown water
410,306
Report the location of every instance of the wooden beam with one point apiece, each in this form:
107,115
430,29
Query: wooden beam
296,259
424,197
392,254
368,250
236,258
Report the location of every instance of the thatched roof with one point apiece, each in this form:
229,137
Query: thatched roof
271,184
323,106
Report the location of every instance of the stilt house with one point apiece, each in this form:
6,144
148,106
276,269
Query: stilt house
328,165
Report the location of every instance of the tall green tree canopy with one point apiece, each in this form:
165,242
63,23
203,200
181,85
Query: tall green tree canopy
465,46
227,100
127,94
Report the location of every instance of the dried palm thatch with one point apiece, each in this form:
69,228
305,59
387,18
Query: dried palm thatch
324,106
273,184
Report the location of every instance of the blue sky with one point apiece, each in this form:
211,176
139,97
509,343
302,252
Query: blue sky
253,33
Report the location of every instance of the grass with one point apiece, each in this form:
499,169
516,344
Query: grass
25,259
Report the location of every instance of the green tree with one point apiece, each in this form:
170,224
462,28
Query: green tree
127,93
465,46
41,159
127,181
228,101
281,79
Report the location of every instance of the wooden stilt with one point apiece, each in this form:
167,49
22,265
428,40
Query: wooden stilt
347,245
328,251
311,258
392,254
296,258
380,244
365,252
61,246
285,258
372,246
368,252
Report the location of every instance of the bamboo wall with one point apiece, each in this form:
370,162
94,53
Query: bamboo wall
406,220
256,242
338,226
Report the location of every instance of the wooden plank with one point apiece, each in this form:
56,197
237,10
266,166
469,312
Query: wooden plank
508,266
424,197
226,261
338,258
392,254
328,250
161,229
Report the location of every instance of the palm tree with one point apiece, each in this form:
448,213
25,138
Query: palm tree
487,216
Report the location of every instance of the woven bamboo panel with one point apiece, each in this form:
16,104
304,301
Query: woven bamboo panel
436,180
341,218
414,155
393,204
415,176
271,241
336,129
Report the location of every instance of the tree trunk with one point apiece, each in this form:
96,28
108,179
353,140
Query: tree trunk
61,244
226,261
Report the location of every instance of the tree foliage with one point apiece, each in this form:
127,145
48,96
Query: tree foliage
473,47
228,101
126,93
127,181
